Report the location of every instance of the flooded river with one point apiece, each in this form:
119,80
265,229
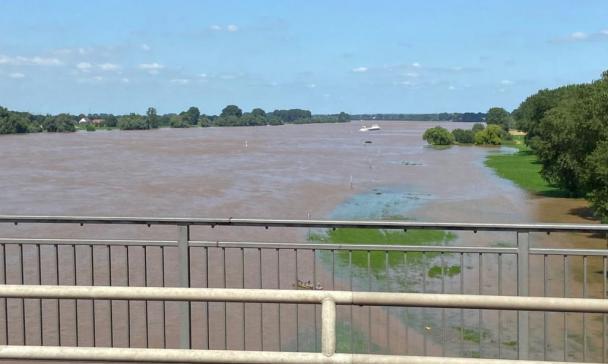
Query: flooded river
291,172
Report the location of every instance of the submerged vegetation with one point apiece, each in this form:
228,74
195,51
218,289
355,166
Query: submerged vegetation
377,261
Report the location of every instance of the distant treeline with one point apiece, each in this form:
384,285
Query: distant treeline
13,122
472,117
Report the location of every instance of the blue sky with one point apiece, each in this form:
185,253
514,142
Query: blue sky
327,56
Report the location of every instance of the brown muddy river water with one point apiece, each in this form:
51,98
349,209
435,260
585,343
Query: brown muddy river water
288,172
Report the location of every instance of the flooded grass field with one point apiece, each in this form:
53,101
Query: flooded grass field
326,171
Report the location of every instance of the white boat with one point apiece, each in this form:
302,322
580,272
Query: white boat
370,128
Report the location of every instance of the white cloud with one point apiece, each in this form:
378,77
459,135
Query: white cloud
407,83
579,35
98,78
506,82
416,65
84,66
312,85
180,81
451,88
604,32
232,28
109,67
29,61
215,27
412,74
152,68
144,47
360,69
203,75
16,75
124,80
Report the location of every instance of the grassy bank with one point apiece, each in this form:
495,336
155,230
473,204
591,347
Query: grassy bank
522,168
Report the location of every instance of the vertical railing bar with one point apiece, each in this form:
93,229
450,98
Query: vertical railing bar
565,313
462,310
387,285
523,246
295,252
185,336
5,281
93,301
111,302
443,329
75,270
38,255
207,303
22,300
604,271
406,325
499,311
225,304
162,269
328,327
333,269
58,300
369,309
480,292
424,331
146,301
243,286
545,289
261,304
279,305
128,301
314,279
350,277
584,314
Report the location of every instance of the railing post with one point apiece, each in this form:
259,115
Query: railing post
328,327
523,253
184,281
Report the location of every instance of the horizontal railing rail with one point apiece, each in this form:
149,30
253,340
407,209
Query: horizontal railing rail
327,299
371,224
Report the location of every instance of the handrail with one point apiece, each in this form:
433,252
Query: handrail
366,224
328,300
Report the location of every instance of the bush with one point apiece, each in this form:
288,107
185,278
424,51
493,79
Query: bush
463,136
489,136
438,136
89,127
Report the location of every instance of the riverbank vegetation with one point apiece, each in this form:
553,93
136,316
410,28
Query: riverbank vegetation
13,122
475,117
522,168
567,129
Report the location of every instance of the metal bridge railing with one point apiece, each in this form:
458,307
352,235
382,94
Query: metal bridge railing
514,269
327,299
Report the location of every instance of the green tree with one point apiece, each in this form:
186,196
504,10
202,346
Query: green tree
258,112
489,136
231,110
192,115
438,136
152,118
464,136
499,116
59,124
132,122
179,121
478,127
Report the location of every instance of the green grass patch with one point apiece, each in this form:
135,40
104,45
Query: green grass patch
523,169
377,260
437,271
473,335
510,344
357,344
